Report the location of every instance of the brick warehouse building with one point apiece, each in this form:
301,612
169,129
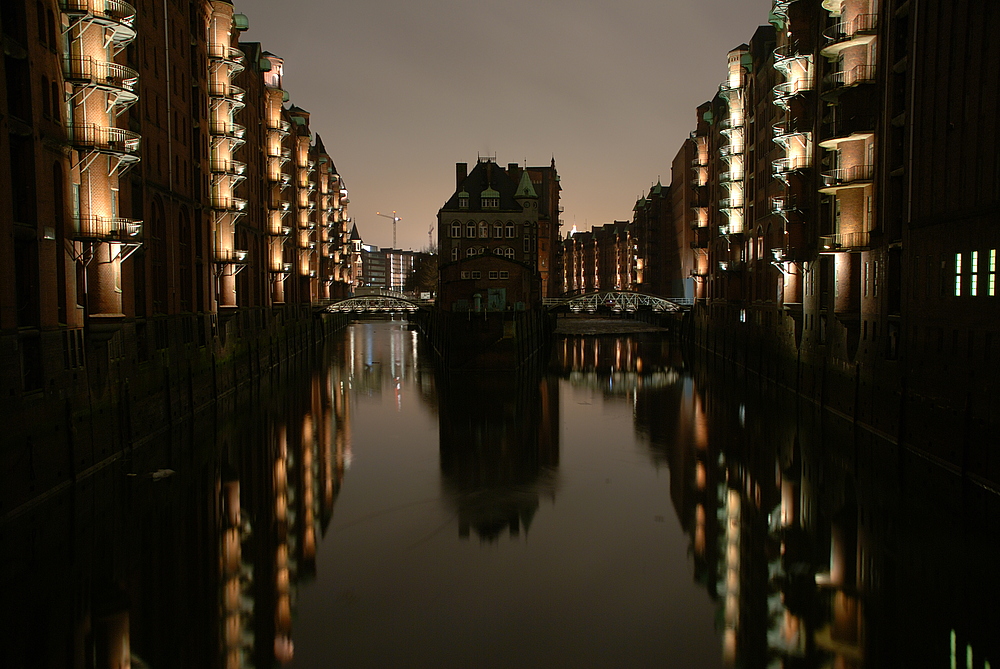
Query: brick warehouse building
168,218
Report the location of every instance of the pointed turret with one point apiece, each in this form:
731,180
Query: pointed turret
525,189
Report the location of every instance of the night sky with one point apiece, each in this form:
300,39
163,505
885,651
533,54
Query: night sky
400,91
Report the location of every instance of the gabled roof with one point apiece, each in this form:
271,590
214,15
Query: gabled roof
485,176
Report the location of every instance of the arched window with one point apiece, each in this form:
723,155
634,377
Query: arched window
510,229
471,251
509,252
498,251
470,229
456,229
498,229
454,253
484,230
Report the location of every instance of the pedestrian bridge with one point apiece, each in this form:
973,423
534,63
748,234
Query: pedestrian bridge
384,303
618,302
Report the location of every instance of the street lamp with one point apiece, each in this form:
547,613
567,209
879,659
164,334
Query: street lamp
395,219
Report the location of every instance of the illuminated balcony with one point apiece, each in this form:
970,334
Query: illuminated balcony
849,129
279,126
276,230
855,176
234,132
784,135
730,266
117,80
230,257
226,92
730,176
230,204
104,229
787,56
229,56
787,90
229,167
858,31
783,205
731,123
118,142
859,74
730,150
282,268
307,245
783,167
848,242
728,203
115,15
729,92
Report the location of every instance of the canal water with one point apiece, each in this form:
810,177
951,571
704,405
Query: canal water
619,504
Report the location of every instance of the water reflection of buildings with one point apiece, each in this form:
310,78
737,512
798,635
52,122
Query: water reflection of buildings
819,544
499,449
188,552
822,547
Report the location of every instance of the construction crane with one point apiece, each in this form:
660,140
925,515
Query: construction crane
430,237
395,219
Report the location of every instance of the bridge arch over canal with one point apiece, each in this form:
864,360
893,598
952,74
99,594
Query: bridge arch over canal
376,304
618,302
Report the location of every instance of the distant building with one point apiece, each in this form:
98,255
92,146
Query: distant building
488,241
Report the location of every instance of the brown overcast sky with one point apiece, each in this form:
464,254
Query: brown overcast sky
401,90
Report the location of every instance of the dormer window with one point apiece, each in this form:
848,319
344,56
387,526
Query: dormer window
463,200
490,199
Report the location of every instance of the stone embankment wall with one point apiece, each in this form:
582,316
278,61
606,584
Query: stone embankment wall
485,341
137,385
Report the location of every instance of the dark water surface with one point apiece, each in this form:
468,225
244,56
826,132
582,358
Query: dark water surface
607,509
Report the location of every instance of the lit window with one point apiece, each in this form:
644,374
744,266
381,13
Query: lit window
991,282
958,275
974,277
470,229
456,229
510,229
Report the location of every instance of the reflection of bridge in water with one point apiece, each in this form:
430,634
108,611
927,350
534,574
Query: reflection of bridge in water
616,302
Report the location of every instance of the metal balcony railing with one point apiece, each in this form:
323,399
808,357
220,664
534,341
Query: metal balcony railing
226,91
107,229
730,150
116,15
282,268
233,130
784,166
230,167
230,256
229,204
731,203
847,176
105,75
118,141
846,242
859,74
279,230
229,55
862,24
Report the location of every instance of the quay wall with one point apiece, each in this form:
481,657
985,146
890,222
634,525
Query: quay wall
946,414
104,396
485,341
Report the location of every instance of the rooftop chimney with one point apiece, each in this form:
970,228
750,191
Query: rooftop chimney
461,171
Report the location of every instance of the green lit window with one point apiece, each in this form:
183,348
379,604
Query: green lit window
958,275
